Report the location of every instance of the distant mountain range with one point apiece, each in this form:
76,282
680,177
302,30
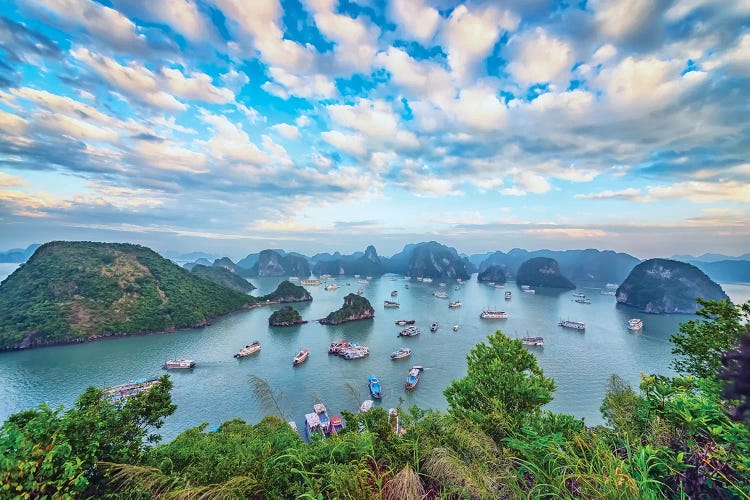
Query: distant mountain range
18,255
710,257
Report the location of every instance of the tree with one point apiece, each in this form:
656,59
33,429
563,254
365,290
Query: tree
503,385
700,345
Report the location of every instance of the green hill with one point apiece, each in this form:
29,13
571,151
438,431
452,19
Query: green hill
286,316
287,292
354,308
73,291
223,276
542,272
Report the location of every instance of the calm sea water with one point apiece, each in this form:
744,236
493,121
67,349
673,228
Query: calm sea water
219,388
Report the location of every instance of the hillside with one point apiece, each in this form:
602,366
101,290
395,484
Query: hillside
494,274
226,263
730,271
355,308
364,264
223,276
667,286
72,291
542,272
580,266
430,260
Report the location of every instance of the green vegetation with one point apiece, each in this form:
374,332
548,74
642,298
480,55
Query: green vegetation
286,316
355,308
542,272
287,292
71,291
673,438
224,277
667,286
494,274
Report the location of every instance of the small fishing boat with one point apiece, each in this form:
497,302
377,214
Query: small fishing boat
394,293
579,295
313,425
508,295
533,341
440,295
583,300
360,292
413,379
389,304
434,326
441,284
337,424
331,287
404,352
403,322
529,291
300,358
635,324
427,280
457,287
455,304
455,328
374,385
325,421
248,350
409,331
366,405
356,352
179,364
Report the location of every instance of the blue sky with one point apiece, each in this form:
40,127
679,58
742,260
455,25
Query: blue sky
312,125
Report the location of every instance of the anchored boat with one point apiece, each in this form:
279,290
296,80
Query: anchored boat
248,350
434,326
409,331
533,341
635,324
300,358
455,304
404,352
490,314
390,304
574,325
374,385
413,379
179,364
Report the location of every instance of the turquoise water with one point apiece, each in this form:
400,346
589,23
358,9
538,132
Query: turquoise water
218,389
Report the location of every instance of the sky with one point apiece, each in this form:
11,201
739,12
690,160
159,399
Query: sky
230,126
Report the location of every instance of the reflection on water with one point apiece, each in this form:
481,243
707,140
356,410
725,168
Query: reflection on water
218,388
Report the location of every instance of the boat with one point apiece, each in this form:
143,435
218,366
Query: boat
374,384
293,425
337,424
325,421
427,280
402,322
459,281
301,357
607,292
331,287
356,275
457,287
499,286
529,291
490,314
124,391
407,278
369,278
394,293
434,326
440,295
491,283
337,347
366,405
579,295
575,325
533,341
313,425
508,295
524,287
635,324
179,364
441,284
419,278
455,304
390,304
293,278
583,300
360,292
355,352
404,352
455,328
409,331
362,282
413,379
611,286
311,282
248,350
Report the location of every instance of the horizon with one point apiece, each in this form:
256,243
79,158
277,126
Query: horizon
231,127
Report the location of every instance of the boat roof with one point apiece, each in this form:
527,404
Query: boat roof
336,420
319,408
312,419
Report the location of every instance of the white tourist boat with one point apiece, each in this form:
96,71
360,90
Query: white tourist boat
635,324
490,314
248,350
574,325
310,282
179,364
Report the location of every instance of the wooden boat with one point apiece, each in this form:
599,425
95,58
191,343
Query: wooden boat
403,322
374,384
404,352
508,295
179,364
533,341
455,328
325,421
409,331
413,379
366,405
337,424
390,304
248,350
394,293
455,304
301,357
313,425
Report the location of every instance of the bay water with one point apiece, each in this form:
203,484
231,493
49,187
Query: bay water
219,387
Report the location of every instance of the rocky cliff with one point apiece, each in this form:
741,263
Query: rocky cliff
271,263
430,260
355,308
542,272
223,276
494,274
667,286
367,264
286,316
287,292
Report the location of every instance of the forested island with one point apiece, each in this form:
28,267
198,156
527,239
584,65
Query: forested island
674,437
355,308
542,272
286,316
76,291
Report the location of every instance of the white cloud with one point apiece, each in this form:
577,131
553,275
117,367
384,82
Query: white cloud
7,180
372,118
539,57
618,19
604,54
695,191
182,15
353,144
470,35
195,86
480,108
288,131
230,143
415,19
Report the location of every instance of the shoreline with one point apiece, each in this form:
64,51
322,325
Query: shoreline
113,336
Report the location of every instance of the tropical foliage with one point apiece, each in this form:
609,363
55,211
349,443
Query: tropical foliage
673,437
224,277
